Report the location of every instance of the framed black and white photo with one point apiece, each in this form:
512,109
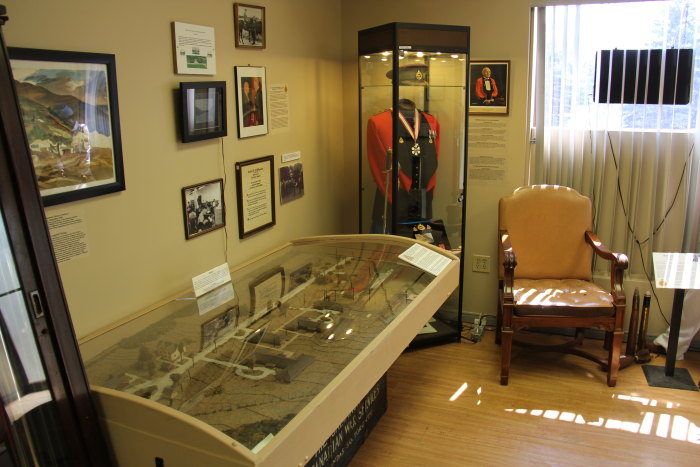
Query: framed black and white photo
70,111
203,113
255,194
249,25
291,182
489,85
217,326
203,208
251,101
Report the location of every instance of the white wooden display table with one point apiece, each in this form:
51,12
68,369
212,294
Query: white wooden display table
265,377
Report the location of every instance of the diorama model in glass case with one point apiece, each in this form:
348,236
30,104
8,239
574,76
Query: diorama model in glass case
262,370
413,123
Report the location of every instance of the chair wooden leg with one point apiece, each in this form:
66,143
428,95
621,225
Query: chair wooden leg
614,357
607,341
506,346
499,324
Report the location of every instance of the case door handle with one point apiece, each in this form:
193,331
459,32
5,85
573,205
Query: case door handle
37,307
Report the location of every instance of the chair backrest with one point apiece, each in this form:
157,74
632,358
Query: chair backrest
546,224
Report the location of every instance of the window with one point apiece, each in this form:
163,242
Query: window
575,35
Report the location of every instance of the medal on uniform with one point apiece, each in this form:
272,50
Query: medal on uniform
413,132
400,140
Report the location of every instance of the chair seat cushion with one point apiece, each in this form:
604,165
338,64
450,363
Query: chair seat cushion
552,296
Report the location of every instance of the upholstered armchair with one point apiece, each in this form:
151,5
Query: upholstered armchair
546,248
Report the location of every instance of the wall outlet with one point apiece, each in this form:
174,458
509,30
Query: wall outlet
481,263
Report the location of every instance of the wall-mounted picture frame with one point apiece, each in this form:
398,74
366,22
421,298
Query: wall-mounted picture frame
194,49
255,195
70,110
291,179
251,101
203,208
489,87
203,110
249,25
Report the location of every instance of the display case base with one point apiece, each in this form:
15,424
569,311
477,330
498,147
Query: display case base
443,334
342,445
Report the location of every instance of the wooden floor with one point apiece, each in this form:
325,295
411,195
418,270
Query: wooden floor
556,410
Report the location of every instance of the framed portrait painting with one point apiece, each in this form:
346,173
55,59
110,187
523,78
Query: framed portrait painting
251,101
249,25
70,112
203,208
489,86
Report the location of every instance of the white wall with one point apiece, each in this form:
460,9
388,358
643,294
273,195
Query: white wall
138,254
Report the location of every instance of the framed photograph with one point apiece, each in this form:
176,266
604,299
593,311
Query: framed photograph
249,25
195,51
300,276
203,107
203,208
255,190
251,101
265,290
70,110
489,85
291,182
218,326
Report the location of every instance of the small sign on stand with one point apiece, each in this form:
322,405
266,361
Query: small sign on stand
678,271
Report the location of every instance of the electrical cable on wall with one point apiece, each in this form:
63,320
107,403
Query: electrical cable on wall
657,228
223,164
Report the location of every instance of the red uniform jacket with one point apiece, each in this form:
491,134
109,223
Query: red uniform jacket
481,92
379,140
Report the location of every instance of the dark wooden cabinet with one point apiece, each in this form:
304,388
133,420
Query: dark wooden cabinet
48,417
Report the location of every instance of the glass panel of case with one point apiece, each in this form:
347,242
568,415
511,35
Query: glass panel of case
423,164
292,322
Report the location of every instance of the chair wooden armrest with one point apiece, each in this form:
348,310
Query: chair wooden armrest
618,264
509,262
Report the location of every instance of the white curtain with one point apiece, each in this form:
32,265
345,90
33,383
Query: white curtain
638,162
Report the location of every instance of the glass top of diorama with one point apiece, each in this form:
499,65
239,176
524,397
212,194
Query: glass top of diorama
293,321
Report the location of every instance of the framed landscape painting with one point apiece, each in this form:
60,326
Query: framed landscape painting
71,116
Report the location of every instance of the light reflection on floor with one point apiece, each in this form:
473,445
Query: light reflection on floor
663,425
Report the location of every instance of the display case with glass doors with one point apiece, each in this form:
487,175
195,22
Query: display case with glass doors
413,81
261,370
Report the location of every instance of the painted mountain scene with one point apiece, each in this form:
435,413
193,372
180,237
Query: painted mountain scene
67,118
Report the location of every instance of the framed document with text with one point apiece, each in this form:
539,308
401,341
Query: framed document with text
255,190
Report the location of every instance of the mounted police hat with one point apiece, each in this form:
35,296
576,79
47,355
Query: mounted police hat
411,74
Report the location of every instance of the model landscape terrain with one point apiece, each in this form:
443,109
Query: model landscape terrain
248,372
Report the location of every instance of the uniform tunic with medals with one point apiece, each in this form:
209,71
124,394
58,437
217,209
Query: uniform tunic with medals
417,158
